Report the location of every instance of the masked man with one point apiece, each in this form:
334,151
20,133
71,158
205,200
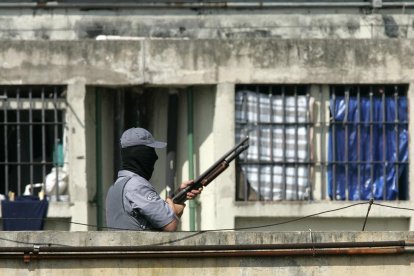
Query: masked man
132,202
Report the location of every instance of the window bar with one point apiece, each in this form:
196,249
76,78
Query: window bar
371,139
31,140
397,144
296,142
334,145
19,169
284,184
245,120
271,141
384,146
6,152
308,147
43,139
346,157
56,152
323,142
359,141
258,129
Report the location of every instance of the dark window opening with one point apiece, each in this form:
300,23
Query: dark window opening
32,122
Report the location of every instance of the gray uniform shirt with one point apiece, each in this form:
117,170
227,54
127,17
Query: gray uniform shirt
132,203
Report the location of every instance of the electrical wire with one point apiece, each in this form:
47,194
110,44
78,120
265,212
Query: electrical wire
193,234
209,230
291,220
393,207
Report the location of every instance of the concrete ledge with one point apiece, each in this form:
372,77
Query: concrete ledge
396,261
128,238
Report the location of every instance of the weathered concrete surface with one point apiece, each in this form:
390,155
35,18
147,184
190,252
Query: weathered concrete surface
401,264
59,24
66,62
179,62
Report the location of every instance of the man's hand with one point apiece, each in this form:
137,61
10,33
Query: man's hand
178,209
193,193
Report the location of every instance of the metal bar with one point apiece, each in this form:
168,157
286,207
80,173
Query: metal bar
258,129
56,139
334,145
379,123
346,157
308,139
312,163
200,248
296,141
323,144
271,140
284,178
19,179
210,254
384,146
34,104
43,138
6,146
286,124
371,139
359,141
397,142
98,160
31,141
245,182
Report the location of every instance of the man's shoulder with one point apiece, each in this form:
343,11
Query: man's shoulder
137,182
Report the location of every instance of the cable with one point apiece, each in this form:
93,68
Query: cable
198,232
394,207
371,201
226,229
289,221
31,243
193,234
209,230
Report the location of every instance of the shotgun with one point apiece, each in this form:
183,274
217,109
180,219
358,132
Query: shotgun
211,173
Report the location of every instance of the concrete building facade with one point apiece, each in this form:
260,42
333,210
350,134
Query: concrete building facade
121,66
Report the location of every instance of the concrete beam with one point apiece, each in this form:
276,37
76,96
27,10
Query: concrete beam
184,62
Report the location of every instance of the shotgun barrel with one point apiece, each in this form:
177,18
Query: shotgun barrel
212,172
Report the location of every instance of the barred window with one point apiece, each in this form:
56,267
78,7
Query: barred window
352,140
368,143
277,120
31,136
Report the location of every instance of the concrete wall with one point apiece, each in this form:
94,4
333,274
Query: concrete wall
211,51
395,264
339,23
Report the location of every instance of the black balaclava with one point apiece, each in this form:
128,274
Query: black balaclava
139,159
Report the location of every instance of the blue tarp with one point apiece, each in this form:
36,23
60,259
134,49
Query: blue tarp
370,153
24,213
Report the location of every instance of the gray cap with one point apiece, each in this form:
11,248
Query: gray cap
139,136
